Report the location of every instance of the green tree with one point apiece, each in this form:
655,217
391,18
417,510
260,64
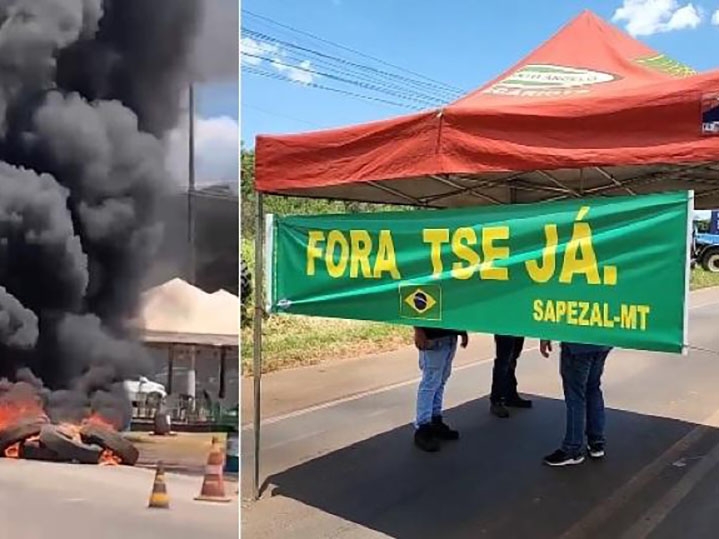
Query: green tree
284,205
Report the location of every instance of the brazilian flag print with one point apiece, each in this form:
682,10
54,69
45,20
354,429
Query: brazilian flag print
421,302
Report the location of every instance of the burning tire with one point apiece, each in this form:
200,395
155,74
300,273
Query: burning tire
67,448
92,434
18,433
35,451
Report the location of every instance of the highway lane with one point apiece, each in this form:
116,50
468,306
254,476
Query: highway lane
63,501
348,469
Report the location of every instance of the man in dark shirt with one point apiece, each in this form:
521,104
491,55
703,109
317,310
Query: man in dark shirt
581,367
504,380
437,348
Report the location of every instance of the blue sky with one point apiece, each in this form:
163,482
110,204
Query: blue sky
460,42
218,99
216,136
215,62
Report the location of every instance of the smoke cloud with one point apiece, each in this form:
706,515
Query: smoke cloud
216,50
88,89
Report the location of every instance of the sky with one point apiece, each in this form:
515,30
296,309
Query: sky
215,63
461,43
464,43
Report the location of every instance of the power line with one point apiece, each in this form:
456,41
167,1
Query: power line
254,71
360,71
422,87
321,66
349,49
366,86
245,104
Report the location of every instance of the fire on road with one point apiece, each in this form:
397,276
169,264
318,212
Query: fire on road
26,431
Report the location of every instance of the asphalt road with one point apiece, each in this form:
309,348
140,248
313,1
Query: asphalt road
60,501
348,469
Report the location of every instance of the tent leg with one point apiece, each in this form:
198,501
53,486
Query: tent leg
257,340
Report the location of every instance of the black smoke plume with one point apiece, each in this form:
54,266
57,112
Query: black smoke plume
88,89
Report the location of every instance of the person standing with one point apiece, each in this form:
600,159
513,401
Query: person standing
437,348
581,367
504,380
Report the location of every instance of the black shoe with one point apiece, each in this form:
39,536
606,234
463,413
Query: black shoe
560,458
425,439
442,430
518,402
498,409
596,451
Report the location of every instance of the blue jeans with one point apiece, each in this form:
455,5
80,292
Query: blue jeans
436,366
581,379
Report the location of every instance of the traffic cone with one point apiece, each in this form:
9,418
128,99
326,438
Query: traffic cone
213,486
159,498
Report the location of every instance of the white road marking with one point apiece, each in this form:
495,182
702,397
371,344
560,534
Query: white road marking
363,394
376,391
592,521
656,514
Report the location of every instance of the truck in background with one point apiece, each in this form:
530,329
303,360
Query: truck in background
706,243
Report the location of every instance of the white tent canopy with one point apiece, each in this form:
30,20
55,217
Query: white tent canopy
179,313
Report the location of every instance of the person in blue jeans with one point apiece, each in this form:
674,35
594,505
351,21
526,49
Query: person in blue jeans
437,348
504,379
581,367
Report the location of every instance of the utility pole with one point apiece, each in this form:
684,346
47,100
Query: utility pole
191,275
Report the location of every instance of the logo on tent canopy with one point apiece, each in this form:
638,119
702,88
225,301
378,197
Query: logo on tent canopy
710,114
664,64
546,80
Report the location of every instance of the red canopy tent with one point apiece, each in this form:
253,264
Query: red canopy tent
592,111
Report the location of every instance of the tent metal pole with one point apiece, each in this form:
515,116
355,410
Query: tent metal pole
257,340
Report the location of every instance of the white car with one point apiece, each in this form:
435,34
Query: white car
146,387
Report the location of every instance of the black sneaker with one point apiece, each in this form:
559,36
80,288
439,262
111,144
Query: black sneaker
518,402
442,430
560,458
596,451
425,439
498,409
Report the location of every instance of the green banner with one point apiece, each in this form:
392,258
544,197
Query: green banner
610,271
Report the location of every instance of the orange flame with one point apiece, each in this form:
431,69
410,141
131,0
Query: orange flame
108,458
13,451
15,411
70,430
99,421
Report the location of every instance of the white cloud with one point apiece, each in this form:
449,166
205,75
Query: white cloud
715,18
217,149
647,17
258,52
688,16
301,73
253,49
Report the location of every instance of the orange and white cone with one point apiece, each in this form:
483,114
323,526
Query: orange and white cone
159,498
213,485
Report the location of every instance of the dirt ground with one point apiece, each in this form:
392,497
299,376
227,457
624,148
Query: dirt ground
181,453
